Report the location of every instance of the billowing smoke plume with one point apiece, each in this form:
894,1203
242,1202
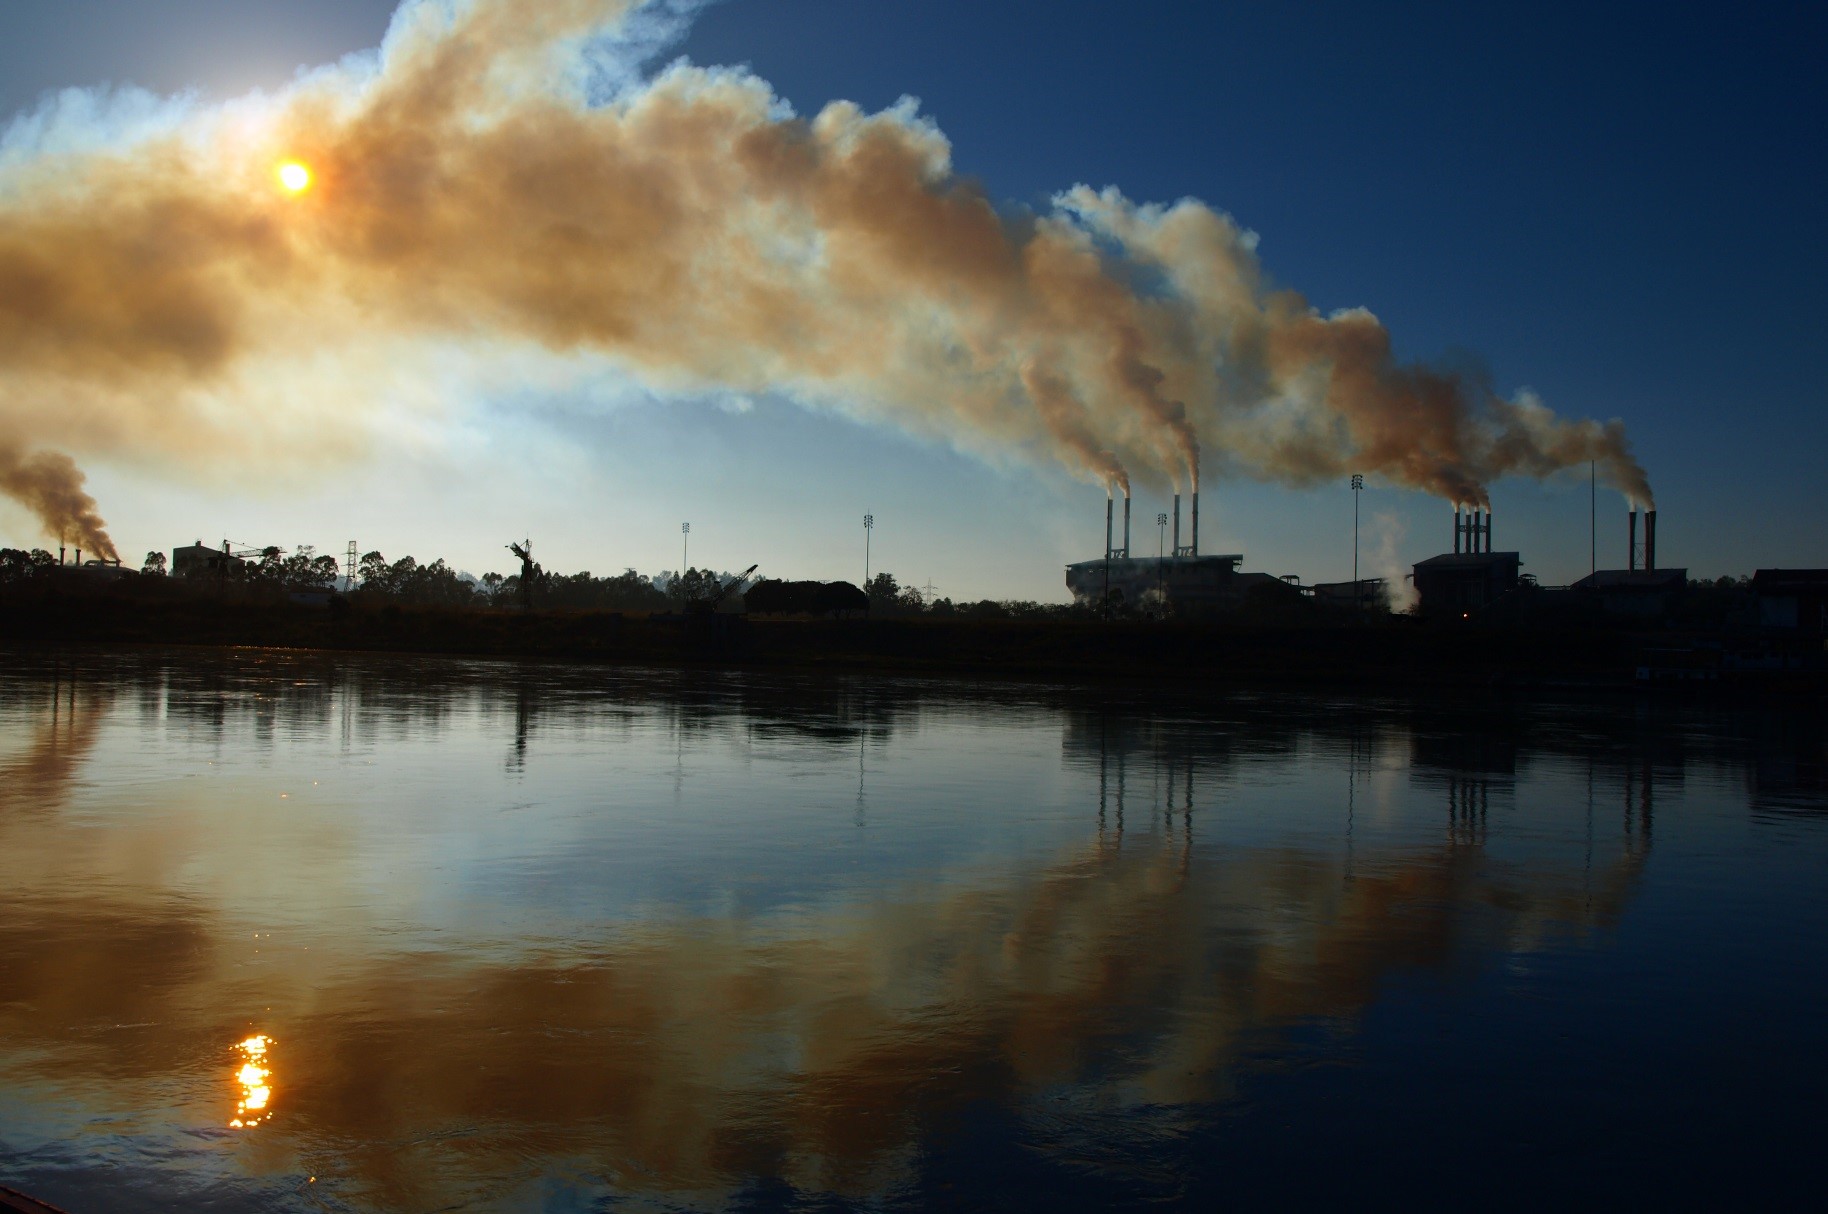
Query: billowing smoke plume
498,179
51,486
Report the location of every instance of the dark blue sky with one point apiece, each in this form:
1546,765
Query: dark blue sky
1619,206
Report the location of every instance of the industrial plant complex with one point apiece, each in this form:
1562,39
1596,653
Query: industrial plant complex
1778,617
1471,582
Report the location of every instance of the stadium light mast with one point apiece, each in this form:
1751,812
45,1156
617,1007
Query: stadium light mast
1592,516
685,545
1161,541
1358,483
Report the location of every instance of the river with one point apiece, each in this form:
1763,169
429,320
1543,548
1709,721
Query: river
316,932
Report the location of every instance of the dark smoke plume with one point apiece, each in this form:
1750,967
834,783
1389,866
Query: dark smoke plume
50,485
499,180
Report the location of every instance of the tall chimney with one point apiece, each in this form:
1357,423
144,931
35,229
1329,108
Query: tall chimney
1107,527
60,554
1458,527
1631,544
1488,530
1176,550
79,558
1650,539
1126,522
1195,544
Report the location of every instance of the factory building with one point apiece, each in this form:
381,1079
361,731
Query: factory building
1792,600
194,560
1472,576
1642,594
1366,594
1182,578
1640,591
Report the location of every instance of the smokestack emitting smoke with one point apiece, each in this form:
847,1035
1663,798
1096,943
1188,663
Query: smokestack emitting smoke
498,179
1631,542
51,486
1126,522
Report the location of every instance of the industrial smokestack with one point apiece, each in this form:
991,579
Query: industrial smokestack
1126,521
60,554
1107,528
1488,530
1194,543
1458,528
1631,542
79,558
1176,550
1650,539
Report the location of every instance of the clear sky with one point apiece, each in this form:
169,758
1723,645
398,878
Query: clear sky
1619,207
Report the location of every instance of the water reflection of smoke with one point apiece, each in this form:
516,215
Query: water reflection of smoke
827,1047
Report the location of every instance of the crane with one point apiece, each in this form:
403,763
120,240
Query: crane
710,602
529,572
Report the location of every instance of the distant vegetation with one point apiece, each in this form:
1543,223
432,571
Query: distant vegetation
408,582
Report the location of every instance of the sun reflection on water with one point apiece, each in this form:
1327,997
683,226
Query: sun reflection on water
253,1078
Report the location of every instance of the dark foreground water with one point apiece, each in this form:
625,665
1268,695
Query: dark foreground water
297,932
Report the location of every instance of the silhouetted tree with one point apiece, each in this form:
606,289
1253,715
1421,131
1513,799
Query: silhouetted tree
884,591
627,591
407,581
155,565
16,564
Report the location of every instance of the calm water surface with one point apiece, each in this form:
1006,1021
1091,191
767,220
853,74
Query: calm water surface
297,932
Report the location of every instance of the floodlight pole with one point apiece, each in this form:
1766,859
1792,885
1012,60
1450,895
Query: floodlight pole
1358,483
685,544
1161,533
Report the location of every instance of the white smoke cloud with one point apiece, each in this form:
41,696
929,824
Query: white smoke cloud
502,179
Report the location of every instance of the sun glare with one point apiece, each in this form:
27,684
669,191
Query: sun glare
255,1081
294,176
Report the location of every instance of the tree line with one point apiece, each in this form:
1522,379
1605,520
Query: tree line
407,581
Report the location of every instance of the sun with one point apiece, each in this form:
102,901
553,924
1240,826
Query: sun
294,176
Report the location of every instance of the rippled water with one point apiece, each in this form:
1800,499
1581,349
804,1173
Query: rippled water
444,935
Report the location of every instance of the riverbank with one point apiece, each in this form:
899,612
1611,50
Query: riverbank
1395,653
